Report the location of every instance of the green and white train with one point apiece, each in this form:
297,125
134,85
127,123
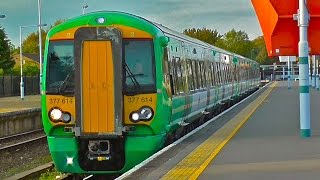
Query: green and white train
117,88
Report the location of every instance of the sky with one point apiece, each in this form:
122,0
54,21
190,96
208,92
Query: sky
222,15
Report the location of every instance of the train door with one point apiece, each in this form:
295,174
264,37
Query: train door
188,96
98,62
178,81
168,79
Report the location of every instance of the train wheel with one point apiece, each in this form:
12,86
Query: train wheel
169,139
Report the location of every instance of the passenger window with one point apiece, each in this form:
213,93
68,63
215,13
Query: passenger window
194,51
213,74
198,71
181,76
203,74
195,75
175,75
190,75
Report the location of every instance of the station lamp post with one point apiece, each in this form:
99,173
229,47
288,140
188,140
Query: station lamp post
40,44
84,7
21,61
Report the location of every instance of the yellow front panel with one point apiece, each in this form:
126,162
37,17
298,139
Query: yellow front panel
65,104
133,103
97,87
127,32
130,32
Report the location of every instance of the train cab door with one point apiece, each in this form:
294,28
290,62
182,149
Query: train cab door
98,75
168,77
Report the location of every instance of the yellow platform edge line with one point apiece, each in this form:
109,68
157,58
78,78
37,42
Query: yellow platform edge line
179,168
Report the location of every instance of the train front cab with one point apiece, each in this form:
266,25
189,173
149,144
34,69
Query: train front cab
109,129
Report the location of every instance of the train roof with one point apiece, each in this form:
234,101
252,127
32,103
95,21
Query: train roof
170,32
165,30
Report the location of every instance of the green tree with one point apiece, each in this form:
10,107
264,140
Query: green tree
57,22
237,42
15,71
259,51
30,69
6,60
207,35
31,43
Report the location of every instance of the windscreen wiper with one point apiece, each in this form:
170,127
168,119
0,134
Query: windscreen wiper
65,82
132,77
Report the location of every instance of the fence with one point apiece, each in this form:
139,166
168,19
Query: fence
10,85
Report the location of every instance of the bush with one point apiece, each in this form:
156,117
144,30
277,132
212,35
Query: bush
30,70
15,71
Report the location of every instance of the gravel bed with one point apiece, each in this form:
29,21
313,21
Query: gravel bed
28,156
25,158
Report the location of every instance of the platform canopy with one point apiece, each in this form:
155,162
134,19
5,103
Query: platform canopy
286,58
281,31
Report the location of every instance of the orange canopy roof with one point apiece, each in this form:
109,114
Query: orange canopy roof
281,31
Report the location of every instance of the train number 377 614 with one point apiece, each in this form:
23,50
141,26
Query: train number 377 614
139,99
60,100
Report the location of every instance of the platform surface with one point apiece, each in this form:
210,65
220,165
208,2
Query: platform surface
15,103
267,145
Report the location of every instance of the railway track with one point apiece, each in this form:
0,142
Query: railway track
19,151
15,142
17,146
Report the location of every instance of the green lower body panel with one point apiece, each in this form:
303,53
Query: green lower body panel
65,154
61,149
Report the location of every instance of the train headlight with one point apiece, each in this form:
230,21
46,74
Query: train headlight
101,20
145,113
66,117
135,116
69,161
55,114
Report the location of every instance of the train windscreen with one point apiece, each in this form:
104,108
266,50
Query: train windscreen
60,67
139,66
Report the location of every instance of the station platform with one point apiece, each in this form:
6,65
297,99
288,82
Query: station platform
15,103
257,139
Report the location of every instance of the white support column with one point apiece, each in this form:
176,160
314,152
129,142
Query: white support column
310,74
21,69
289,73
303,22
317,74
293,72
40,44
314,77
283,73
